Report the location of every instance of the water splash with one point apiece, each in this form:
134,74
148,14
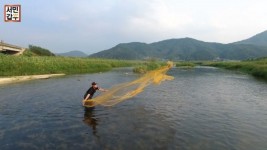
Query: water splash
128,90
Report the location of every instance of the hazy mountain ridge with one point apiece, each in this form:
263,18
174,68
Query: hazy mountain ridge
186,49
258,39
73,54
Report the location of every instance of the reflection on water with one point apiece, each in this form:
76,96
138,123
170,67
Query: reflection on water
202,108
90,118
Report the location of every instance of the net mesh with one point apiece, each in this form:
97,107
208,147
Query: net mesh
127,90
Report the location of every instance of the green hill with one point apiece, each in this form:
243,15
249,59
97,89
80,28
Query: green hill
132,51
259,39
183,49
73,54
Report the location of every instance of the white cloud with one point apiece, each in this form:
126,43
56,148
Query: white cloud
239,21
157,20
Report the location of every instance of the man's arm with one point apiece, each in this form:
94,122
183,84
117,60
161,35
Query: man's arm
86,98
102,90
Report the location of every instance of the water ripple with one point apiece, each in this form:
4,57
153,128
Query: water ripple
203,108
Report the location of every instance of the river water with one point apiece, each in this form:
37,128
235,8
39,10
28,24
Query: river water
202,108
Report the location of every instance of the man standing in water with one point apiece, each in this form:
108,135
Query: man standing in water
91,91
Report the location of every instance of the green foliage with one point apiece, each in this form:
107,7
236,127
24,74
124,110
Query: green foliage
148,66
140,69
23,65
257,68
28,53
40,51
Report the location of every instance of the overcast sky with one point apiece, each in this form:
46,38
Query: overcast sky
95,25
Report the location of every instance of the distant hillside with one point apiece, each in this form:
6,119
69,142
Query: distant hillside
73,54
259,39
183,49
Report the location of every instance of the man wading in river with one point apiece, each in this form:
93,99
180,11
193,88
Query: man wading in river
91,91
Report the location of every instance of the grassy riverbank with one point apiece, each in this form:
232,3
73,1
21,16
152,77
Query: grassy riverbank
257,67
185,64
23,65
148,66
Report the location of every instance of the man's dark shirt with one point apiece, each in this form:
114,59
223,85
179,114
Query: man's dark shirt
90,91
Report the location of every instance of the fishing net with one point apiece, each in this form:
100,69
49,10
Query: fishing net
127,90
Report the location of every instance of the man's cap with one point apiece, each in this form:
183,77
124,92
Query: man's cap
94,83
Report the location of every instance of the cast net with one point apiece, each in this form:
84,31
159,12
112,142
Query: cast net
127,90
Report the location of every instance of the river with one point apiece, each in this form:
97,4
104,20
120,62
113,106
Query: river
202,108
